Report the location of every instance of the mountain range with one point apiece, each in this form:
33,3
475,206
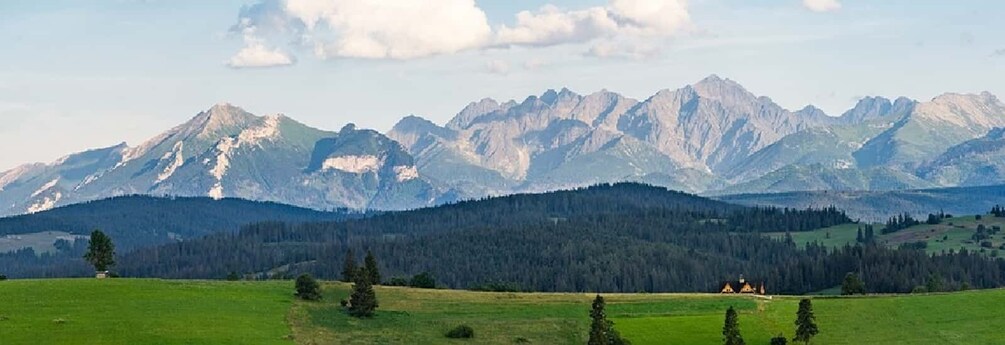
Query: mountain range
713,137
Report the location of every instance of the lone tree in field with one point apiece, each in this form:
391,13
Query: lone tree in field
363,300
100,251
370,269
806,325
349,268
852,285
307,288
731,329
602,331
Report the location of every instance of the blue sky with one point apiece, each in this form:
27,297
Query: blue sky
83,74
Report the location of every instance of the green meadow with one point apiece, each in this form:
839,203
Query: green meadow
952,234
144,311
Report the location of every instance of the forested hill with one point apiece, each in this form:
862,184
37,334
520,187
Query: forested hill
604,238
136,221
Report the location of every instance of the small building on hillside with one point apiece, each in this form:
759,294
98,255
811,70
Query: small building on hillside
743,286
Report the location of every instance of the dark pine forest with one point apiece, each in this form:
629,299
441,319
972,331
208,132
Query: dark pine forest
608,238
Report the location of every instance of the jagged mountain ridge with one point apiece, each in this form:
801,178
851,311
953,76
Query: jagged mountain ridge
712,137
228,152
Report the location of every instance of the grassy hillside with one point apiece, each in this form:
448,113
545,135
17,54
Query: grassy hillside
128,311
954,233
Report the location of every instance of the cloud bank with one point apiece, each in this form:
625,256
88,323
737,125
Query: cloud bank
409,29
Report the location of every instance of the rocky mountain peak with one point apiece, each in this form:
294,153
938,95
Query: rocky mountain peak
717,88
472,111
221,120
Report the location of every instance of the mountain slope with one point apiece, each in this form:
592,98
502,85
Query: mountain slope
711,137
562,139
228,152
975,162
931,128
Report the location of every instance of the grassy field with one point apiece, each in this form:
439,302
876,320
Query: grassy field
953,233
140,311
423,316
128,311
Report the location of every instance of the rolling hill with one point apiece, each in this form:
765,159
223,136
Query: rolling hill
133,222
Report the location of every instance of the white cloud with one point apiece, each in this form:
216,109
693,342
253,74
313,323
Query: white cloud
407,29
373,29
551,25
256,54
822,5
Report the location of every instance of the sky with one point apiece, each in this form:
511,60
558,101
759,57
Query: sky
80,74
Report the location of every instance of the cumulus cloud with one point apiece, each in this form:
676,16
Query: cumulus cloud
373,29
407,29
822,5
256,54
551,25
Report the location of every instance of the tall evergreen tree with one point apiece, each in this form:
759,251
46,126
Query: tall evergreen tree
598,325
806,326
731,329
602,331
100,251
349,268
363,301
370,269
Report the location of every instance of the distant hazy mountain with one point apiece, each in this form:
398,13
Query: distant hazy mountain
877,206
713,137
973,163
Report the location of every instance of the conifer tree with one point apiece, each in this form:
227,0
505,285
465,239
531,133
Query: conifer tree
349,268
806,326
370,269
100,251
599,326
731,329
363,300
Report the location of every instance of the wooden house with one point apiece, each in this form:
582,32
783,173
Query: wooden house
742,286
